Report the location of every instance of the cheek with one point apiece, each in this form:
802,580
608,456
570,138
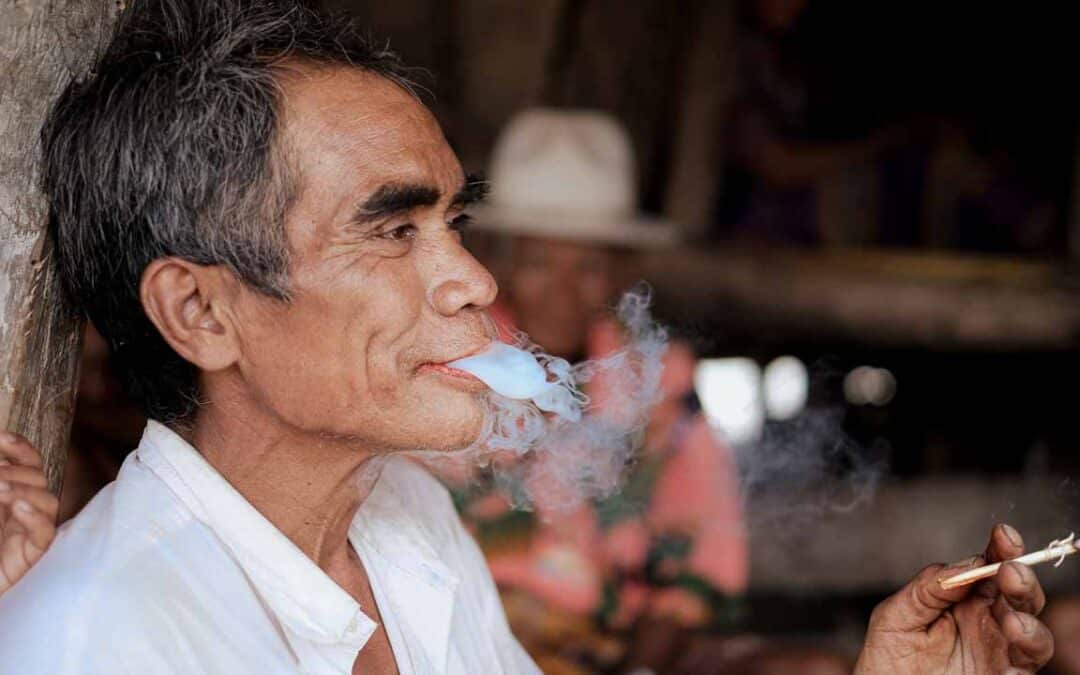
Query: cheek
386,313
341,360
331,360
294,359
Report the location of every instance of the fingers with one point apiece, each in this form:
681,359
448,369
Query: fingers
1005,544
1021,598
27,475
1020,587
1030,643
39,498
40,527
15,449
922,601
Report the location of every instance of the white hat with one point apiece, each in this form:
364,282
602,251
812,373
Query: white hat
568,174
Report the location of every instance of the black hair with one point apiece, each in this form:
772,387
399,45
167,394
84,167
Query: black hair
170,147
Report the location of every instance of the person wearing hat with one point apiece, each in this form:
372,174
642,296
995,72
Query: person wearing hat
671,549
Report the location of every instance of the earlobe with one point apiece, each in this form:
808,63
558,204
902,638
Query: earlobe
184,301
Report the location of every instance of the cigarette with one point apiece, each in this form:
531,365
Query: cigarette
1056,551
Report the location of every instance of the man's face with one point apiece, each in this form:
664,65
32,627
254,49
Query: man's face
382,291
557,288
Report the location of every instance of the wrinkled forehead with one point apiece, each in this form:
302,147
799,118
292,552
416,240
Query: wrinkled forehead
362,130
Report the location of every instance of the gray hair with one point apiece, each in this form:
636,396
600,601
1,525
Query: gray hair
171,147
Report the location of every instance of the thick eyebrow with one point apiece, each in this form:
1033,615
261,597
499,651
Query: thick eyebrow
394,198
474,190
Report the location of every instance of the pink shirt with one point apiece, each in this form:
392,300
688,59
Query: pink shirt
694,495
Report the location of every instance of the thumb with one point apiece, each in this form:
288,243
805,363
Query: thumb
923,600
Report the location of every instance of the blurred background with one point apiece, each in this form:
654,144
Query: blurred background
879,213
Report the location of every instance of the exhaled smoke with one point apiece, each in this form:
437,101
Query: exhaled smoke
579,449
805,469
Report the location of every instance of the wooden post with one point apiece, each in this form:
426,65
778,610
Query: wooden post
43,43
1074,206
701,132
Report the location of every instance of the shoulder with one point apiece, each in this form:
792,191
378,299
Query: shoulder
102,584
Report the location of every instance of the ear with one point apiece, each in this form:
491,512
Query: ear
188,303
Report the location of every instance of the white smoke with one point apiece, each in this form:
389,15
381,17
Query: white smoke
555,461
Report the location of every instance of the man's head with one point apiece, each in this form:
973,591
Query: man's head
559,286
565,192
256,212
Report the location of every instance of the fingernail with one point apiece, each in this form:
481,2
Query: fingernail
4,486
1012,535
6,437
22,507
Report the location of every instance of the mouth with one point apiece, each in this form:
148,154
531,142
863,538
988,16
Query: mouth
456,376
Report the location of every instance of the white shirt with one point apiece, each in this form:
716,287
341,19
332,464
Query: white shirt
170,570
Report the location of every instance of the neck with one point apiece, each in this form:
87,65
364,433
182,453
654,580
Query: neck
309,486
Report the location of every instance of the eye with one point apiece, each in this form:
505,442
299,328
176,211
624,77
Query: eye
405,232
461,223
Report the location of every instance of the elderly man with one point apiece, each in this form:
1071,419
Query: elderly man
263,222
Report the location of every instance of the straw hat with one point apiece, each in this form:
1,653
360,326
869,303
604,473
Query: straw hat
569,174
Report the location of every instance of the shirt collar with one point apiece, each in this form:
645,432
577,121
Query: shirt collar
410,580
303,598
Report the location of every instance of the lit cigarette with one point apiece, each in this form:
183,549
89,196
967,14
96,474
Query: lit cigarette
1056,551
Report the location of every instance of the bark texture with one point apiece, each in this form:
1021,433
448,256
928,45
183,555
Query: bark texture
43,44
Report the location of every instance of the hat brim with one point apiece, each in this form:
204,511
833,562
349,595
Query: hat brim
636,232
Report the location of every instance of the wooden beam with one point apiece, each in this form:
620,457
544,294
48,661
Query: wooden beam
937,301
43,43
1074,205
699,147
813,541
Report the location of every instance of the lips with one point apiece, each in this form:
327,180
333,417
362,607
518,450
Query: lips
444,369
457,357
440,367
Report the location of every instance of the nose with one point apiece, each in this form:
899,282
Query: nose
465,284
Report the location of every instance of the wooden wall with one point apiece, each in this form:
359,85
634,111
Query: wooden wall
664,67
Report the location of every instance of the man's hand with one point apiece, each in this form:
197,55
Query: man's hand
27,509
982,630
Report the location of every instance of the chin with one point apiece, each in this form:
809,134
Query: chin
451,423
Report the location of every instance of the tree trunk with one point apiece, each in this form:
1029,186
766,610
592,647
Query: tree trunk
43,44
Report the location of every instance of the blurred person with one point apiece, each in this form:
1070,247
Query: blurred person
773,185
241,536
976,200
669,552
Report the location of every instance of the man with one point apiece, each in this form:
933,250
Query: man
262,222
